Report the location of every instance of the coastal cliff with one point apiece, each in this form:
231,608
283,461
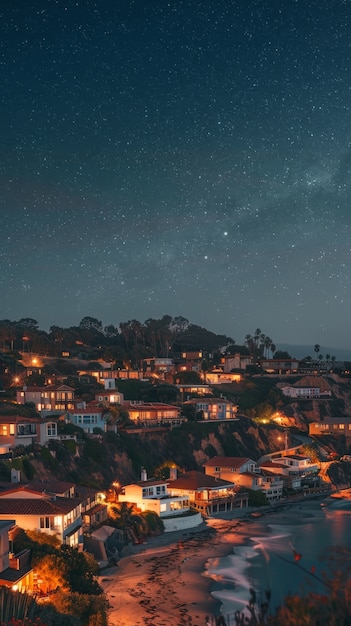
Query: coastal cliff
100,460
111,457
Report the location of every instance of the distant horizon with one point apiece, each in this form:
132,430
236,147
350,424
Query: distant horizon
301,351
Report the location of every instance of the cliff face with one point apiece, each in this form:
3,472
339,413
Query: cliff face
301,412
99,462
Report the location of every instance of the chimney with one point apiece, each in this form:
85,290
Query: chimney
143,474
173,473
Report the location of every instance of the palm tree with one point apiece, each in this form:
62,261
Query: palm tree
249,343
258,333
268,343
134,526
317,348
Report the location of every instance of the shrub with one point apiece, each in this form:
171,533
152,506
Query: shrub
70,445
28,469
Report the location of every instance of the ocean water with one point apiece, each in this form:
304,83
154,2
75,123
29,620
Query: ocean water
292,556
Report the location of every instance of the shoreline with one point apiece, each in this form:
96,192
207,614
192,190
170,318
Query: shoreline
165,582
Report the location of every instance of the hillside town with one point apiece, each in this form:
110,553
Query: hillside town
61,402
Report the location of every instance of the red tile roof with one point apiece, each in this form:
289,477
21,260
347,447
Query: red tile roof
37,506
194,481
15,419
53,486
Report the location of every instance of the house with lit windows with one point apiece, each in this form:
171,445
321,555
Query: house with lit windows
214,408
109,396
152,495
16,430
48,398
152,412
298,465
219,377
335,426
207,494
15,570
245,473
42,511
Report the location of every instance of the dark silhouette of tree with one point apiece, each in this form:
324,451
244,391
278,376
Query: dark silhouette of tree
111,331
317,348
28,323
91,323
282,354
249,343
259,345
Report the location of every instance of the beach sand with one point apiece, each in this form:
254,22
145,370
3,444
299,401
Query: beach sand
163,582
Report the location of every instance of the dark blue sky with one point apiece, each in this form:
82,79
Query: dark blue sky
181,157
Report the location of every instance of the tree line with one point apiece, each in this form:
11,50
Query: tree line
125,344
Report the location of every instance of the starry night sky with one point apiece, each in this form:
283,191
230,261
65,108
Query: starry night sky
188,157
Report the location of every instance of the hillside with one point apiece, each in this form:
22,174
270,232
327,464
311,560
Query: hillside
100,461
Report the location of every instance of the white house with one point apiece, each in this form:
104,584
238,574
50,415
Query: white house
34,510
298,465
152,495
292,391
281,470
245,473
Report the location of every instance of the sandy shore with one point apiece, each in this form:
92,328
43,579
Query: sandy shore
163,582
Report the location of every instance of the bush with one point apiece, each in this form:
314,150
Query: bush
70,445
28,469
154,522
95,450
48,460
257,498
91,610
